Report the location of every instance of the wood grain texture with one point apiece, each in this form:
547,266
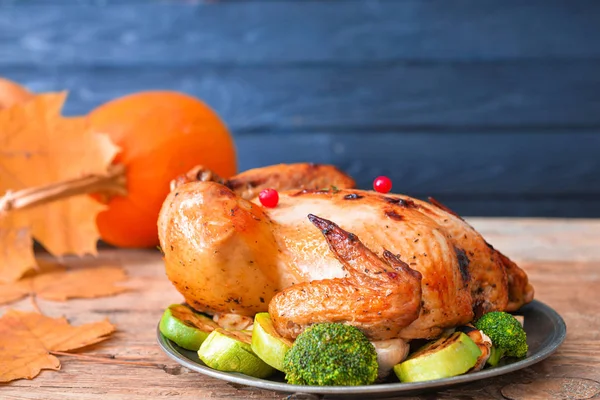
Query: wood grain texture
497,206
511,163
405,95
281,32
561,257
557,388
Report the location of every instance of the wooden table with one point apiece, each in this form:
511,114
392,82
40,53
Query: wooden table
562,258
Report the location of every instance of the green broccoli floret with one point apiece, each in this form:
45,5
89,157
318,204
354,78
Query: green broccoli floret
507,335
331,354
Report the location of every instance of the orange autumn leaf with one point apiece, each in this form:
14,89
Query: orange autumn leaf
13,291
84,283
12,93
16,256
27,341
55,282
38,146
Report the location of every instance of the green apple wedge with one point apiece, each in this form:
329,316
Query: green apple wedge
267,343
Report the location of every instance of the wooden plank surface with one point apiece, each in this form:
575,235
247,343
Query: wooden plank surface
532,163
514,173
480,96
562,258
179,33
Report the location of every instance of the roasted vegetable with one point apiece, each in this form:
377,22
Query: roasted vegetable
389,353
230,351
186,327
267,343
331,354
507,335
448,356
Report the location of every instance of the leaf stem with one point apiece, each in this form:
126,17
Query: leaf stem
106,359
111,183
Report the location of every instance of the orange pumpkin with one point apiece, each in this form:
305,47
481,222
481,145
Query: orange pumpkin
12,93
161,134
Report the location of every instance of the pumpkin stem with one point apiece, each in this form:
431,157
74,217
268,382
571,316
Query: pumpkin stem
111,183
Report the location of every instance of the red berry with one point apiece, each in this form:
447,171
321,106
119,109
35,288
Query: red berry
382,184
269,198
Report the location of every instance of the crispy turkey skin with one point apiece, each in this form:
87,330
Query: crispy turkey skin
382,294
391,265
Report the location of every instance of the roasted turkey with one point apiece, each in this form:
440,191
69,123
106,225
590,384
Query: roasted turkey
391,265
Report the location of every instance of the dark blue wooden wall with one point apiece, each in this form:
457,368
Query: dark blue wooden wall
491,106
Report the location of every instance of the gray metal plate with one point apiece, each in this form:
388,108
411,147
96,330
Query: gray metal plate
545,329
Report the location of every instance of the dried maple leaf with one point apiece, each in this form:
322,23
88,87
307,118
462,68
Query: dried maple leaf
13,291
16,256
37,147
55,282
27,341
83,283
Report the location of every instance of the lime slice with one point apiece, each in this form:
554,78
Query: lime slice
448,356
266,342
185,327
230,351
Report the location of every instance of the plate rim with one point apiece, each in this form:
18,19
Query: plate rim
558,336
